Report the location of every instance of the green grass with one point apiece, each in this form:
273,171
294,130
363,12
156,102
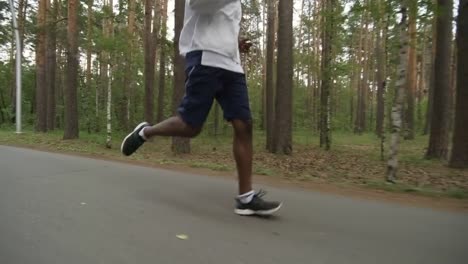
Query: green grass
214,153
425,191
457,193
264,171
211,166
411,152
398,187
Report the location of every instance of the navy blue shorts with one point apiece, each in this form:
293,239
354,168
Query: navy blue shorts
204,84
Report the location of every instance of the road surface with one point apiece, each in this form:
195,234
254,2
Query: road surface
66,209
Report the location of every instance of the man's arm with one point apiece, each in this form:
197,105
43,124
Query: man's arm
208,6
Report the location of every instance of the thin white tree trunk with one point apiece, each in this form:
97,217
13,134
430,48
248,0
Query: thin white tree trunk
392,164
109,104
109,33
97,96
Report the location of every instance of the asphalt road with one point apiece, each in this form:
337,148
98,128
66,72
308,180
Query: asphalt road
66,209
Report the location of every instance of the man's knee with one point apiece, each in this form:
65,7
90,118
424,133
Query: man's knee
243,127
188,130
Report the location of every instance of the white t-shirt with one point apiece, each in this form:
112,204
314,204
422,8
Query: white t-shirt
212,26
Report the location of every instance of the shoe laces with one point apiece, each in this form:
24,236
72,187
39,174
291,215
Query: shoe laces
260,193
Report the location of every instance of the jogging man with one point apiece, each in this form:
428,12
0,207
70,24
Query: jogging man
209,43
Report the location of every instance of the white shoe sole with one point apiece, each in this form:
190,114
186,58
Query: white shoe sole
136,128
252,212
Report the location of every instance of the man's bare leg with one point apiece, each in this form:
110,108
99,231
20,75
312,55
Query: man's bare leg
243,153
248,201
171,127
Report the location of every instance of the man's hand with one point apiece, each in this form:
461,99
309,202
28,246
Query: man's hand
245,45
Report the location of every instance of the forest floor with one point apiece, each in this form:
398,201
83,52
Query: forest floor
353,163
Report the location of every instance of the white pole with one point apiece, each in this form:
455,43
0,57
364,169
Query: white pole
18,69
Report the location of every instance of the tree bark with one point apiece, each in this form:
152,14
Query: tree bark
270,63
71,101
179,145
421,82
129,72
451,93
284,84
2,106
101,87
60,76
358,81
109,109
149,63
89,45
364,82
316,52
109,33
41,68
326,85
431,74
392,164
381,70
162,62
459,153
51,64
438,139
412,73
300,44
131,69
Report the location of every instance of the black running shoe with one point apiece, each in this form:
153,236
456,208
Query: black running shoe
257,206
133,141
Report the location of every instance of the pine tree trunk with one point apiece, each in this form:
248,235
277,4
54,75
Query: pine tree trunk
316,52
421,83
51,64
129,75
109,109
149,63
71,101
162,62
365,78
263,123
157,20
392,164
270,63
438,139
412,73
284,84
2,106
451,94
358,86
300,44
372,86
310,87
381,70
110,35
131,68
431,75
326,66
101,87
89,45
41,68
60,76
459,153
179,145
